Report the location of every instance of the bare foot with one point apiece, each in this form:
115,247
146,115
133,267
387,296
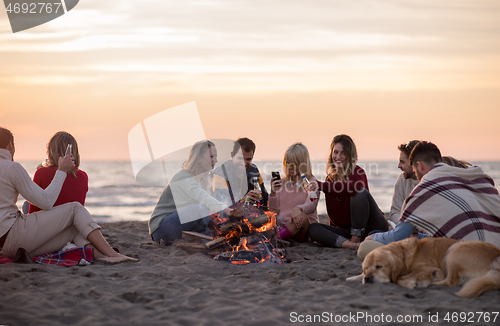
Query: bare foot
350,245
116,259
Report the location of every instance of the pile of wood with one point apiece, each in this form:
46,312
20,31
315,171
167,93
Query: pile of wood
227,235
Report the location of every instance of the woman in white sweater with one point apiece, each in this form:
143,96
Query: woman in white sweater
185,202
48,230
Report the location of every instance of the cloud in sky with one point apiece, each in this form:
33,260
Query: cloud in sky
273,45
122,61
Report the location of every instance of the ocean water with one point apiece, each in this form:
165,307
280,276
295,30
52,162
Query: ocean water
114,195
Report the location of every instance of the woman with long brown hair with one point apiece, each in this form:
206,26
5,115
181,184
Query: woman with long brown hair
352,211
76,185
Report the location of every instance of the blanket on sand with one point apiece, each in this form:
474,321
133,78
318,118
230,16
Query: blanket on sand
455,203
68,258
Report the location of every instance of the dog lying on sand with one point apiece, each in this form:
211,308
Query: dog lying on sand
418,263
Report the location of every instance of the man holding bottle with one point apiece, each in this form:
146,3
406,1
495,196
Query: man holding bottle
235,178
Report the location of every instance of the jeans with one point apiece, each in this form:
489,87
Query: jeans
171,228
402,231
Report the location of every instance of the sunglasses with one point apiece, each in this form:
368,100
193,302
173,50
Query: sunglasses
411,144
292,165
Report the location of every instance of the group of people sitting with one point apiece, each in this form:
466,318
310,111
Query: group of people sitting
434,196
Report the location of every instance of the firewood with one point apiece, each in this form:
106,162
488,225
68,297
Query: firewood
240,227
256,222
215,242
190,234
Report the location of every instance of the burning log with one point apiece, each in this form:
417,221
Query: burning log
235,230
255,222
240,257
247,235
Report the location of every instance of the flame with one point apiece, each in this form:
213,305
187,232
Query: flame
233,233
242,245
265,227
216,218
250,237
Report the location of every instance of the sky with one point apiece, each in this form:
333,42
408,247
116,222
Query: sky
278,72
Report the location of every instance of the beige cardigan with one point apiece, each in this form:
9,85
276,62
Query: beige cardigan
14,180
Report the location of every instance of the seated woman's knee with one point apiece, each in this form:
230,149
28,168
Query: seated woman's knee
313,228
70,207
75,206
362,194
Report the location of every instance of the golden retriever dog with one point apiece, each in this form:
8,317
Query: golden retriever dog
418,263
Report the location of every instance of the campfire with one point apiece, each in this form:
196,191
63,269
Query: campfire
246,236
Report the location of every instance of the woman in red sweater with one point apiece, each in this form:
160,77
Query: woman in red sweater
297,210
352,210
76,185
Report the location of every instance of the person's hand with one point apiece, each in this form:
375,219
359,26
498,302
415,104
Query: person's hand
275,186
298,217
369,237
253,195
227,211
312,186
66,163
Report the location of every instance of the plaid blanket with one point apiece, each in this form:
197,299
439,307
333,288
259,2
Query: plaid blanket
455,203
66,258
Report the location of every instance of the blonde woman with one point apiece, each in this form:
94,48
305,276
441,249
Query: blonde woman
76,185
296,210
186,194
352,210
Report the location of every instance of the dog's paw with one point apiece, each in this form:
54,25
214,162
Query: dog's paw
437,276
407,282
358,278
422,284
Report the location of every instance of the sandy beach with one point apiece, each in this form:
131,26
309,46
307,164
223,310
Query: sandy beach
170,286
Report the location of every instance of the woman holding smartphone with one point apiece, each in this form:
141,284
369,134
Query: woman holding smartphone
352,210
296,210
76,185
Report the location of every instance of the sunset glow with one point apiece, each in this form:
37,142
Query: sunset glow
277,72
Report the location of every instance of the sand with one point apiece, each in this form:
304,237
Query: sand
170,286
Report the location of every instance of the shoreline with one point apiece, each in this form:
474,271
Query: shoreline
169,286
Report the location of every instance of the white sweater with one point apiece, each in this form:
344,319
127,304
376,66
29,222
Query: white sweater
14,180
402,189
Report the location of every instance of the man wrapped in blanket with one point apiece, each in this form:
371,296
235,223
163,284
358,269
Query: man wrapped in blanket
449,202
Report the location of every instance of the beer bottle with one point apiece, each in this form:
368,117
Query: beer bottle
311,194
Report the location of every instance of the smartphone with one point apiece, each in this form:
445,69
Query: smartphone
68,149
275,175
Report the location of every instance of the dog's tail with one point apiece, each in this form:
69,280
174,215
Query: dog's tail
489,281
